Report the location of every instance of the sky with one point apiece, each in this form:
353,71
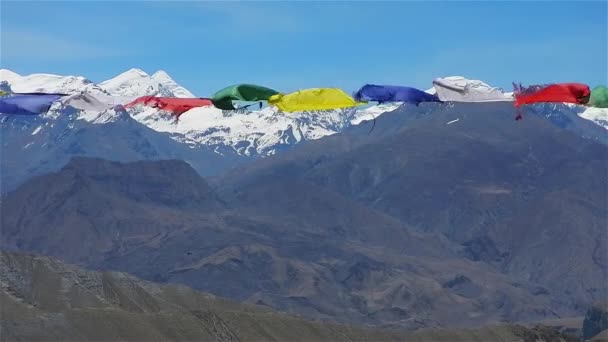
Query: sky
290,45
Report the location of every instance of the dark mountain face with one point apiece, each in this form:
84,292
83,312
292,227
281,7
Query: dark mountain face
456,179
165,183
301,248
525,196
35,145
596,321
93,205
422,223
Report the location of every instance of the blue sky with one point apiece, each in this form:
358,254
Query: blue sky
289,45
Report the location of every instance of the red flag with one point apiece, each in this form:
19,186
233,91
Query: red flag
174,105
560,92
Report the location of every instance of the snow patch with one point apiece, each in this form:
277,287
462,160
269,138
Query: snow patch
37,130
597,115
370,113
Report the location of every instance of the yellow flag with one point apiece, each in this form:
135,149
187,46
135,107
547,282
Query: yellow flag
313,99
2,93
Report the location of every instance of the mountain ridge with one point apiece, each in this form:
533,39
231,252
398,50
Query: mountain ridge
209,139
485,182
44,299
136,82
291,245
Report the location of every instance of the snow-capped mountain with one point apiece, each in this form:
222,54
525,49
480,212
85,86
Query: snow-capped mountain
136,82
590,123
91,121
258,132
9,76
49,83
34,145
261,132
167,82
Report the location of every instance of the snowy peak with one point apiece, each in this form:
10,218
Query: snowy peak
123,88
7,75
131,75
133,82
162,76
133,72
48,83
136,82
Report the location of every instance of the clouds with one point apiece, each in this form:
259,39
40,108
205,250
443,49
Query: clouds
36,45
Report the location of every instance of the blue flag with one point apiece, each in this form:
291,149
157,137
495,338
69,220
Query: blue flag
387,93
27,104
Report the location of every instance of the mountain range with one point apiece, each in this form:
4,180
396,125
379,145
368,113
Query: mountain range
445,215
209,139
422,224
508,193
46,300
370,268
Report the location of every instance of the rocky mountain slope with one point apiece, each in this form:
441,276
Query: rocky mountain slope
526,197
446,215
46,300
290,245
41,144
